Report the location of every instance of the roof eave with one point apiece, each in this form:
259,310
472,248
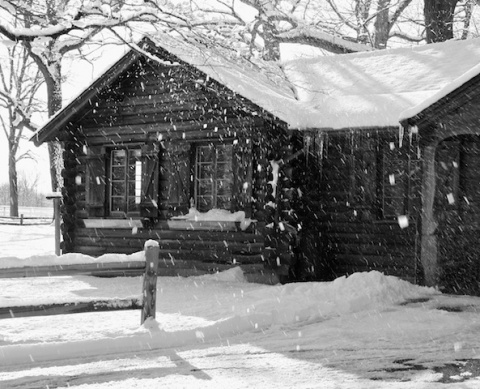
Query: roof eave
453,100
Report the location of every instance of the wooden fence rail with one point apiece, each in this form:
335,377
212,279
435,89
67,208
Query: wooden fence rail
147,303
25,220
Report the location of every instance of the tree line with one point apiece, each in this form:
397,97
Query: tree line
28,194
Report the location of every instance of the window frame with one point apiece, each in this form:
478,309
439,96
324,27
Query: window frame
197,165
137,196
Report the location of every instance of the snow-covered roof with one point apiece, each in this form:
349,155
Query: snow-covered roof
261,82
361,90
377,89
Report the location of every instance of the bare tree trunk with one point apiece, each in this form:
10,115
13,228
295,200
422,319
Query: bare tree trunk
54,92
382,25
13,182
439,19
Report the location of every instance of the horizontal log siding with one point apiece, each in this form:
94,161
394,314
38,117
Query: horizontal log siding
385,247
152,100
357,234
181,252
457,211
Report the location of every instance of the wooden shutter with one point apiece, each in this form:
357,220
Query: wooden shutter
150,180
176,175
395,181
448,174
242,176
95,181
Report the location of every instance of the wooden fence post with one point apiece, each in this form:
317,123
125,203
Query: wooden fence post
152,251
56,197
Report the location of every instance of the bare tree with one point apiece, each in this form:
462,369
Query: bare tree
49,29
20,81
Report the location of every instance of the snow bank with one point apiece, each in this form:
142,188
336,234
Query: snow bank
346,295
235,274
238,309
69,259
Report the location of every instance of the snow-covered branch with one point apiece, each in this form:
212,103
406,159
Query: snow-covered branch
314,37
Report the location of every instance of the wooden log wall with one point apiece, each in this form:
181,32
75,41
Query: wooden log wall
360,231
183,252
155,101
457,211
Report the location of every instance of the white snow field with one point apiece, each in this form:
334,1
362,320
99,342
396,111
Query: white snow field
218,331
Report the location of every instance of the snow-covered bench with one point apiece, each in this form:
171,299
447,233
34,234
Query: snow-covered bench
146,301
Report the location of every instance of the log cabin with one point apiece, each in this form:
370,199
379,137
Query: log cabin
160,147
310,170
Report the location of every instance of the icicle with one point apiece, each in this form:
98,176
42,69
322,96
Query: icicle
307,142
401,133
412,130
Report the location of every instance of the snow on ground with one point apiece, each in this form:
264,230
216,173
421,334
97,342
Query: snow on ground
216,331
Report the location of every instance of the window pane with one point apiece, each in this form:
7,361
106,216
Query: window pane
118,173
131,189
133,206
118,188
136,154
205,153
224,188
224,170
118,204
131,172
204,203
223,202
205,187
224,153
205,171
118,158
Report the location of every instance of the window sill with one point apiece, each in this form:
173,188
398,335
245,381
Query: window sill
112,223
203,225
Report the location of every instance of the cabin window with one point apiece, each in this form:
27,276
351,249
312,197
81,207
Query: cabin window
213,176
125,186
399,177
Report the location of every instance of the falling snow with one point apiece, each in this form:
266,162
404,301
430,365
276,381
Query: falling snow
363,331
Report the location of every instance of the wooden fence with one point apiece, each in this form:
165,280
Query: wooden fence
27,215
146,303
